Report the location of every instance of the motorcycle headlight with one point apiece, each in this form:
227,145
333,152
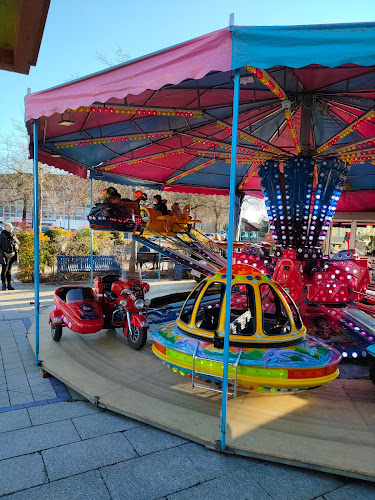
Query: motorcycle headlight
139,303
123,303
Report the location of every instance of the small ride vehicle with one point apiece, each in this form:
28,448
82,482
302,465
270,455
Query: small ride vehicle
114,303
269,350
117,214
168,225
111,217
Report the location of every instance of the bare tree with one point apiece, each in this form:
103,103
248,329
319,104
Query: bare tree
14,161
253,209
18,184
118,56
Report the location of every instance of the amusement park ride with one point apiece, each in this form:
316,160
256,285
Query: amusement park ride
114,303
269,348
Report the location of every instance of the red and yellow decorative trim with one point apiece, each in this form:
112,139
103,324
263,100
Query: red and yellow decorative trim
190,171
137,110
347,130
289,121
268,81
113,139
144,159
247,137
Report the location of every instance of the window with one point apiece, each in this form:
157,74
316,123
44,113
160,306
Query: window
295,313
187,310
78,295
242,314
274,316
208,313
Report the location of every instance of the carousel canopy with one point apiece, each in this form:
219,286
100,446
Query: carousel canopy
164,120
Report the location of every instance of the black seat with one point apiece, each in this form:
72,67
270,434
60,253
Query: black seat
111,278
108,280
209,320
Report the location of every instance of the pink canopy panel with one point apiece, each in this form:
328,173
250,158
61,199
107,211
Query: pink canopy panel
357,201
193,59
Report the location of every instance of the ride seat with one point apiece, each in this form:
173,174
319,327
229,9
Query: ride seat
208,319
62,293
108,280
130,207
243,325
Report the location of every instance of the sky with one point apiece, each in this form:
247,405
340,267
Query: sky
77,29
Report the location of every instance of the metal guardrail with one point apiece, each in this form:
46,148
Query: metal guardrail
194,373
81,263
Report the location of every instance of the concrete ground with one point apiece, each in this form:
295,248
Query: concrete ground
55,445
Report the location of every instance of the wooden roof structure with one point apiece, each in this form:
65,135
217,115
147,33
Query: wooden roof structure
21,29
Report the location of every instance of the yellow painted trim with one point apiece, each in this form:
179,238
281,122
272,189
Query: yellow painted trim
259,335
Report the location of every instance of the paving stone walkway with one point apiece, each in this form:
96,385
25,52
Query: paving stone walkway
55,445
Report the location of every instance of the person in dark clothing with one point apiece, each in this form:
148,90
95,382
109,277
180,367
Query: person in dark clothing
160,205
9,246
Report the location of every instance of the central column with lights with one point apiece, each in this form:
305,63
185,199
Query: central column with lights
301,196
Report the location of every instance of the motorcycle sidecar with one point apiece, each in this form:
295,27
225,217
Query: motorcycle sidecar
75,307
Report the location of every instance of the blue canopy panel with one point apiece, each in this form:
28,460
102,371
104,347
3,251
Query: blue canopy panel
326,125
125,181
298,46
94,154
362,176
354,84
265,128
215,175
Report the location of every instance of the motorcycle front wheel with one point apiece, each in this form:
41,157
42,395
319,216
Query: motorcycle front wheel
137,337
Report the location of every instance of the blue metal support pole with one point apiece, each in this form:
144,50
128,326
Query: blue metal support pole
159,259
159,262
36,238
232,193
91,242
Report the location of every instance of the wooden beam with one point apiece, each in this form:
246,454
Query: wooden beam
305,131
29,32
6,59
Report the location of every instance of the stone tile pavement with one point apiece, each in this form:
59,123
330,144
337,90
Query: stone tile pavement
55,445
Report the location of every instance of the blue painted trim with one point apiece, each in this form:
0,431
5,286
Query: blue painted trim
27,323
232,195
36,237
61,395
159,263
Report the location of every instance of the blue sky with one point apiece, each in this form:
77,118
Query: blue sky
76,29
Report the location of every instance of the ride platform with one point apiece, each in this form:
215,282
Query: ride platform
331,428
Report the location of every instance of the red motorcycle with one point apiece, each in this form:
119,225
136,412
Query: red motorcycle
114,303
